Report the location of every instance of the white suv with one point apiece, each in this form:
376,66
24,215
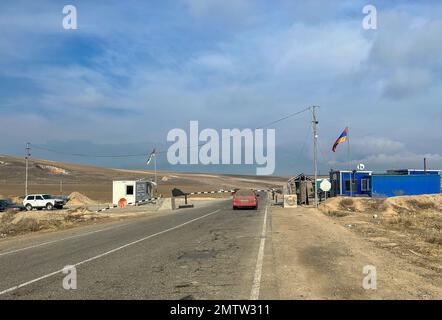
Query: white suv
41,201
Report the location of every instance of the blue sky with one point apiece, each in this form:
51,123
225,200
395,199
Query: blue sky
133,70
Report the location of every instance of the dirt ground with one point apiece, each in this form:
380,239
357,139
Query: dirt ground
320,257
96,182
80,212
407,226
14,223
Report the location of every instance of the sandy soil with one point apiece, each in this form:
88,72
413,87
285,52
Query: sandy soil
317,257
79,199
14,223
406,226
96,182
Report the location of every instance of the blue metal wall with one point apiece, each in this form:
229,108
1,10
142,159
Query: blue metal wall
357,176
401,185
422,172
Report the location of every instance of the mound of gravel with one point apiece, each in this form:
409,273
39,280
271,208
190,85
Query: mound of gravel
79,199
386,206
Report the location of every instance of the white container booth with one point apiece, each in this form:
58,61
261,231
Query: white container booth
131,191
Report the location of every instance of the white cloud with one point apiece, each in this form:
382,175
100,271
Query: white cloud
401,160
405,53
407,40
334,48
215,61
407,82
169,67
375,145
383,153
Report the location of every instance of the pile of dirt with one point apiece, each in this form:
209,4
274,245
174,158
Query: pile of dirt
13,199
415,204
79,199
341,206
53,169
14,223
79,210
406,225
79,214
17,199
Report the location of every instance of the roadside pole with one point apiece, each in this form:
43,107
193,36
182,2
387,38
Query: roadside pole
27,155
349,164
315,151
155,168
153,155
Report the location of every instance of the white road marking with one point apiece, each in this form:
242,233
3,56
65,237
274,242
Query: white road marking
254,295
58,240
104,254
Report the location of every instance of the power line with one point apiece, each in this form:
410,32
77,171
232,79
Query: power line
89,155
301,150
284,118
158,152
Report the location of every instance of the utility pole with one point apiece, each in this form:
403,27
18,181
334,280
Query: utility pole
315,151
27,155
155,166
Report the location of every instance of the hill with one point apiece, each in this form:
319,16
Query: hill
96,182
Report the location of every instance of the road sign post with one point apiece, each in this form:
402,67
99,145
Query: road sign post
325,186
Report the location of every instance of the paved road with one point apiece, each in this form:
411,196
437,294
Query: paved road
210,252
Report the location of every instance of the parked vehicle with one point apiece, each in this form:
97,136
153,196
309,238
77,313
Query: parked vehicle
245,198
6,204
40,201
64,198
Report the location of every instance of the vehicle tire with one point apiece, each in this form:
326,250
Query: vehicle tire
49,206
234,208
28,207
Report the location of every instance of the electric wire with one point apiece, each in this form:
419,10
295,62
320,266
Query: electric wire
38,147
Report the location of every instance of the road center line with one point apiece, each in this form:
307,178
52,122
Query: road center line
58,240
254,295
105,253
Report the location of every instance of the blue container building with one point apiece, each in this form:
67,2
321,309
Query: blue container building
392,183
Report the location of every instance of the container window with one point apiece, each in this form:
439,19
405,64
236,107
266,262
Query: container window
365,184
129,190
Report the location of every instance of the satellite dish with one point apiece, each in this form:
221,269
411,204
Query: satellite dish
361,166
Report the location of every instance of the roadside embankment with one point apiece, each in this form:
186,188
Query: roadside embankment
409,226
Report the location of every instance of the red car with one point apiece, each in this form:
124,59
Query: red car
245,198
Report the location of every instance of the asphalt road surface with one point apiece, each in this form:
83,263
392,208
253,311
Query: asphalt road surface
211,252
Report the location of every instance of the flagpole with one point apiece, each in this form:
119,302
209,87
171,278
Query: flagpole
153,155
155,166
349,163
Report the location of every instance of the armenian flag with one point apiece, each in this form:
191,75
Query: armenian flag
342,138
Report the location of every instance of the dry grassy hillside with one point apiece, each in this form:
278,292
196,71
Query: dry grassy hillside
96,182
